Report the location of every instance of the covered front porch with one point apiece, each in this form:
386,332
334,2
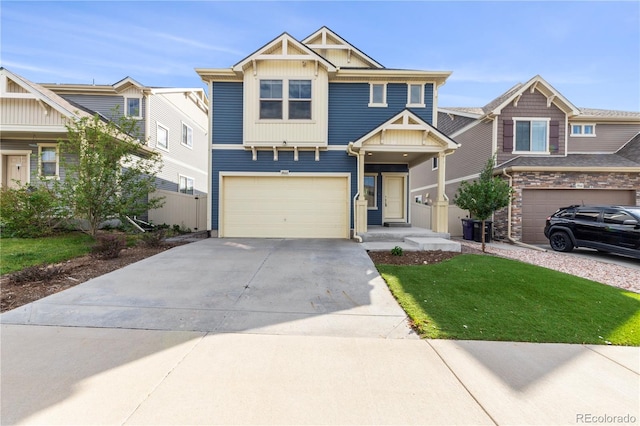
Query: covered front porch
384,157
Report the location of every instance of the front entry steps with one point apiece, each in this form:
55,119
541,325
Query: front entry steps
379,238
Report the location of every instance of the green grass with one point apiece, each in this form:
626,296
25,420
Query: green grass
19,253
479,297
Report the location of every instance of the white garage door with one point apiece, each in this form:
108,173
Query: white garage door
287,206
537,204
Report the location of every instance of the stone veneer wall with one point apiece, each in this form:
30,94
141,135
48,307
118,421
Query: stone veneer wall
557,180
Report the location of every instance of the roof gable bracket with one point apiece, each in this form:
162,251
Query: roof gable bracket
316,67
382,136
425,134
255,67
44,106
533,87
516,100
550,100
349,55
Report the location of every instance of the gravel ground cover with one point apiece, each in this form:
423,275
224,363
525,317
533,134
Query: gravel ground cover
602,272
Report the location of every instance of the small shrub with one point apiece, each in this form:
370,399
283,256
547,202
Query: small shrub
154,238
36,273
108,246
397,251
29,212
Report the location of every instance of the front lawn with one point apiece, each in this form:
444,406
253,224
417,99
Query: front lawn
480,297
19,253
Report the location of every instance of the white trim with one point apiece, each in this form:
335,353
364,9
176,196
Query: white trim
182,128
435,163
582,127
420,104
126,106
158,126
546,150
285,99
373,104
48,145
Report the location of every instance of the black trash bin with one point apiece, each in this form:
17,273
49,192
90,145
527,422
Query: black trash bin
477,236
467,229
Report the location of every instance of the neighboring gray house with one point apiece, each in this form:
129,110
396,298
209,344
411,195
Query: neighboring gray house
553,153
173,122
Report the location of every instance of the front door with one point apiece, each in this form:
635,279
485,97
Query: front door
394,198
15,171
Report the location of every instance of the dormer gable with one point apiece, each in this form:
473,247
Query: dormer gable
334,48
127,83
283,48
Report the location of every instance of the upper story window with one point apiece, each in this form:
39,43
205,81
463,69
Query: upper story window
299,99
377,95
162,137
271,99
49,164
588,130
133,107
415,95
187,136
531,135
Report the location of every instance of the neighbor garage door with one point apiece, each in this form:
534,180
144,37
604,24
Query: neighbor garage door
286,206
538,204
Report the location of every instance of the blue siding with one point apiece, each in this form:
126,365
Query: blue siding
374,217
350,117
227,113
241,161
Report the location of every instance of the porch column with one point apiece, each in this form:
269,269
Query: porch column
361,202
440,207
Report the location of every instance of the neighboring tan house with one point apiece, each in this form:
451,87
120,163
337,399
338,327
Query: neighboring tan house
553,153
173,122
314,138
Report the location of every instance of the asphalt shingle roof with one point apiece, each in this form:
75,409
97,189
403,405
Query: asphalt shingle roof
574,160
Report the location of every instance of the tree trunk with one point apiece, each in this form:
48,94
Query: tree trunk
483,232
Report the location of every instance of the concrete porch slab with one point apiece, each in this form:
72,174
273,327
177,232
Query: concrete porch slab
432,244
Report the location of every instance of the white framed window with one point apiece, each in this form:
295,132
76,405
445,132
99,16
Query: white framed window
434,163
583,130
133,107
187,136
378,94
185,184
295,106
415,95
371,190
49,161
162,137
531,135
299,99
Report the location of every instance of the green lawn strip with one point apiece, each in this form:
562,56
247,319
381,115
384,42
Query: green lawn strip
479,297
19,253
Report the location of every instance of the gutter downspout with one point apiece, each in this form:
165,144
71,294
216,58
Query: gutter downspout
509,237
351,152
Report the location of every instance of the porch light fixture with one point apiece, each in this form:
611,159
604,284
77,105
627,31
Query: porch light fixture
405,155
369,153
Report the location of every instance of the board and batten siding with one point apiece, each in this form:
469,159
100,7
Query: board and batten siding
296,132
227,112
241,161
351,117
27,112
608,139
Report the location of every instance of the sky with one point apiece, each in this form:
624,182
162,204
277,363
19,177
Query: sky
588,50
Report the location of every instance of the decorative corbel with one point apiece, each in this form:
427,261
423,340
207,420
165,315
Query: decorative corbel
255,67
45,107
516,100
349,55
317,153
533,87
550,100
316,67
424,136
382,137
295,153
275,153
254,153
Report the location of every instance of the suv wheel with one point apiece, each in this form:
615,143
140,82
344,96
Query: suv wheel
560,241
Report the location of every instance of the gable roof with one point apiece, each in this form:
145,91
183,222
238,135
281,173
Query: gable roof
42,95
324,38
283,47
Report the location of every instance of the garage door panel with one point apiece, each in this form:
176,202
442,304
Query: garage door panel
538,204
285,207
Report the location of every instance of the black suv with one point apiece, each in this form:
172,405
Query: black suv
614,229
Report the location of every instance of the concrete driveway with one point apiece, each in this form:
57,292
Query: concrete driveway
281,332
273,286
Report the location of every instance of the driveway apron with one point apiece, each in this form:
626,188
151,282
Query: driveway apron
273,286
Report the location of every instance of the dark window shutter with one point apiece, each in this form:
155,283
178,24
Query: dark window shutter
554,136
507,135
